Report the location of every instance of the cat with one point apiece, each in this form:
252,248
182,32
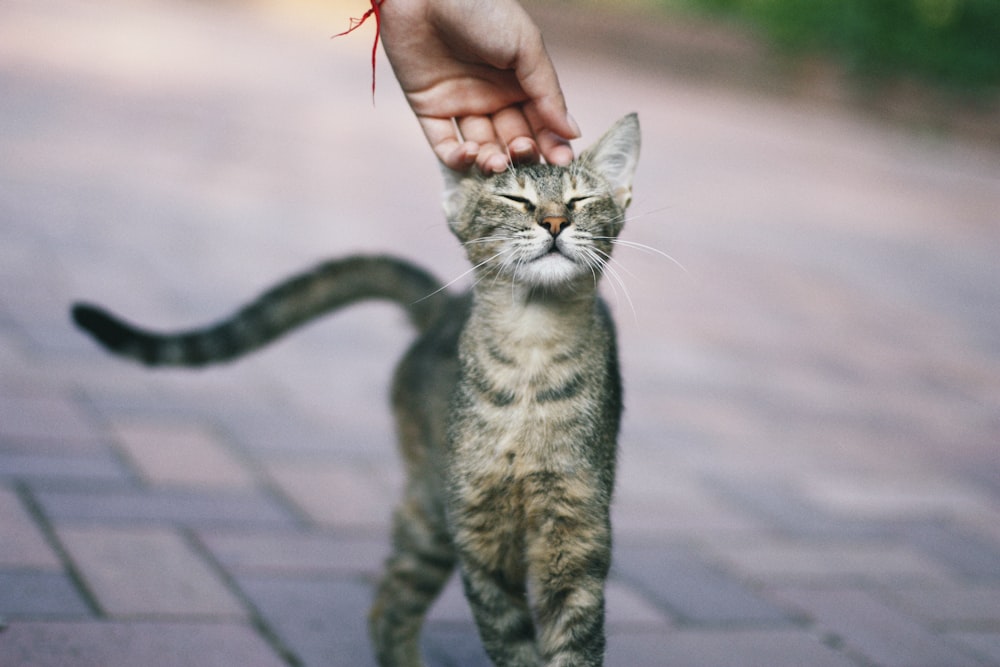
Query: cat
507,405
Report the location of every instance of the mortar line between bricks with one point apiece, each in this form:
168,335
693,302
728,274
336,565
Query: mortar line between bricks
36,512
837,643
261,477
128,463
273,490
257,620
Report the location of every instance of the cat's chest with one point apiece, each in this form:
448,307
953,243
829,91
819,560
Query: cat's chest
532,389
529,355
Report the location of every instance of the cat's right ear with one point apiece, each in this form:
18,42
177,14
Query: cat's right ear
458,185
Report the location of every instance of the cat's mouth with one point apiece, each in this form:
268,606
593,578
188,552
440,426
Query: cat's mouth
550,265
552,253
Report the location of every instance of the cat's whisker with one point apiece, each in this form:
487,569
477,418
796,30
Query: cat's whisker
633,216
644,248
592,263
519,262
616,277
603,261
489,239
459,277
598,268
510,159
609,258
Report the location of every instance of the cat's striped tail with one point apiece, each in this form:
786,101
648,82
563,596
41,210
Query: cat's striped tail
292,303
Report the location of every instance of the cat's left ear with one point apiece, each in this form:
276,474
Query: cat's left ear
615,156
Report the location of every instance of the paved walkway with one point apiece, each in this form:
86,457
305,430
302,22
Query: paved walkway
810,466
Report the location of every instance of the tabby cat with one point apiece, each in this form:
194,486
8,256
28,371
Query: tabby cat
507,405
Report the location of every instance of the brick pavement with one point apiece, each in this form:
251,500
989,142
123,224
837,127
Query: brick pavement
810,473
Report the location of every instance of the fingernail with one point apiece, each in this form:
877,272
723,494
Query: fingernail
522,148
496,164
573,124
561,156
471,153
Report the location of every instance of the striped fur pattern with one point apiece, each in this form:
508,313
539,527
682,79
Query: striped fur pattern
507,405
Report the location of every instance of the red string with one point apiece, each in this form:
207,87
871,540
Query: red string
357,23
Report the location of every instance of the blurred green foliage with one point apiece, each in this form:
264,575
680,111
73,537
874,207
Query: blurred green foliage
955,42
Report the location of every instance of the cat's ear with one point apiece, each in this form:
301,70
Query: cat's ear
615,156
457,187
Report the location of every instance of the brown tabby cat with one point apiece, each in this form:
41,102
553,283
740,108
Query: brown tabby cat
507,405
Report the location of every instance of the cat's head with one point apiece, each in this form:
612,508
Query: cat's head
543,225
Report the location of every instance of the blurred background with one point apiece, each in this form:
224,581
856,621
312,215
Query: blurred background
809,460
946,42
930,63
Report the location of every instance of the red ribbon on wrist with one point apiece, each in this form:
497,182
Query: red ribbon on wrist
357,23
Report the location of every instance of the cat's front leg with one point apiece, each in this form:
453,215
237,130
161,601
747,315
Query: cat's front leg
571,624
488,536
569,555
503,617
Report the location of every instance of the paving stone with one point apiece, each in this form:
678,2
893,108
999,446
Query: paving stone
44,418
776,504
138,397
322,620
797,562
93,469
692,591
628,609
970,555
34,594
25,593
343,493
83,444
451,608
12,356
986,645
722,648
878,632
297,552
22,544
120,644
454,646
250,508
894,497
181,455
147,571
975,605
644,511
262,433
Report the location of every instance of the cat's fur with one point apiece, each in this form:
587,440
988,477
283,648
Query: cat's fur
507,405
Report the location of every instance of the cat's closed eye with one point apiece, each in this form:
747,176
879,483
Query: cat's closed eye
575,202
524,202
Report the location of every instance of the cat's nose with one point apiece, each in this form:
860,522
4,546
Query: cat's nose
554,223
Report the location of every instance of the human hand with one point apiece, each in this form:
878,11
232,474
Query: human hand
478,78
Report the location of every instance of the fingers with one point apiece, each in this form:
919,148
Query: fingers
492,143
553,147
513,135
492,157
476,140
447,144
